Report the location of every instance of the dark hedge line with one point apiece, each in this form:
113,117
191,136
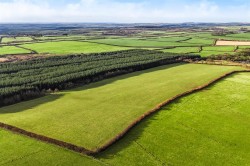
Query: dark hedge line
28,79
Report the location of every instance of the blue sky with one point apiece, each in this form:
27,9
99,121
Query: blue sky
125,11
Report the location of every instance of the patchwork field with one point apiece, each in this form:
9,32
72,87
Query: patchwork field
210,127
96,42
69,47
84,116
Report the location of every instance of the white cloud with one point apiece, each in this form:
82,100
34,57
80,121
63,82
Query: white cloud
112,11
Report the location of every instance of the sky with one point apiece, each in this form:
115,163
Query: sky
124,11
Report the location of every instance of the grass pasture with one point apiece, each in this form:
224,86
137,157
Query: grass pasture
152,43
23,151
215,50
241,48
16,39
169,39
85,116
69,47
12,50
181,50
131,42
200,41
210,127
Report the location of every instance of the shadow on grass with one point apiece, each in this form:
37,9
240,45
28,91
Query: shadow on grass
122,77
26,105
137,131
133,135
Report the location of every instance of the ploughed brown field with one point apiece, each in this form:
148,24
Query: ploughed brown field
232,43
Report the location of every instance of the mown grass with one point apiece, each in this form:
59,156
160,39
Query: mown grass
12,50
209,53
17,39
219,48
200,41
68,47
182,50
24,151
158,43
70,37
241,48
131,42
90,116
216,50
169,39
210,127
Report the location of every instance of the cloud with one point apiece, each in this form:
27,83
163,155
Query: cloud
121,11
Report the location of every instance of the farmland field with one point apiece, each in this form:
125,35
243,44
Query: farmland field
232,43
210,127
158,43
214,50
20,150
68,47
12,50
182,50
177,41
16,39
97,94
196,131
88,111
199,41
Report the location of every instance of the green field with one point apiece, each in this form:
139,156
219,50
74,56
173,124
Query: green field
24,151
169,39
190,131
12,50
70,37
200,41
210,127
85,116
16,39
241,48
216,50
67,47
182,50
158,43
238,36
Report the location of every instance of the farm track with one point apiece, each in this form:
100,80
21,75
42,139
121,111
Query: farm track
83,150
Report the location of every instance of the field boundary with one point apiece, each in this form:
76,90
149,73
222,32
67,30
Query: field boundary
31,51
45,139
83,150
160,106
